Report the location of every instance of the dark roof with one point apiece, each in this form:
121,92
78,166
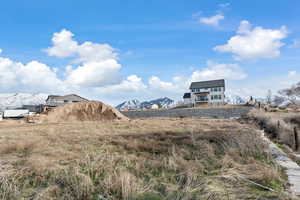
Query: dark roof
208,84
187,95
58,97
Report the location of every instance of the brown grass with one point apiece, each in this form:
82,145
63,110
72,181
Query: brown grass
279,126
140,159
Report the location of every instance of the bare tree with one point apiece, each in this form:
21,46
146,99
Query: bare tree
278,100
269,97
292,94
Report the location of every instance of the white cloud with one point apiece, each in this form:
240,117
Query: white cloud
99,65
213,20
224,5
63,44
219,71
253,43
1,51
295,43
292,73
93,74
31,77
133,87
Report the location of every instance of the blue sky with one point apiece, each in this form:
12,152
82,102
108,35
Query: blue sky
148,49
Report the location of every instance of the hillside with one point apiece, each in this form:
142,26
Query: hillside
15,100
153,159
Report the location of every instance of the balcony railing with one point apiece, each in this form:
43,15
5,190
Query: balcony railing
201,100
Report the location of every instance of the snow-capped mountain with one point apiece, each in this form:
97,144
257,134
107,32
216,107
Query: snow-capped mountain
164,102
235,99
131,104
16,100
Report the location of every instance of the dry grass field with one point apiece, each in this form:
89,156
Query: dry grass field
280,126
153,159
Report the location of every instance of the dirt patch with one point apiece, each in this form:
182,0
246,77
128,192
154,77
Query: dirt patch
83,111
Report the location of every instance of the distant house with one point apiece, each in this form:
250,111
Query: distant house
56,100
33,108
154,106
206,93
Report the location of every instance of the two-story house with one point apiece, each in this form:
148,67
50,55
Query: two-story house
206,93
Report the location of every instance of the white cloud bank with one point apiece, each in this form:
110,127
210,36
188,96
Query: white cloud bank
212,21
254,43
33,76
95,73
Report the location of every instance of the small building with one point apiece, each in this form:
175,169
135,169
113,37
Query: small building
15,114
187,98
206,93
1,115
56,100
33,108
154,106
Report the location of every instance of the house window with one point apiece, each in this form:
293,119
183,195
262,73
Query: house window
65,101
216,97
202,98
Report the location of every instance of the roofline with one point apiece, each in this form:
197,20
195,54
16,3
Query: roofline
65,95
207,81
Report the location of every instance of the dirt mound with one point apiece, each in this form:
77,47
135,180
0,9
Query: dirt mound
84,111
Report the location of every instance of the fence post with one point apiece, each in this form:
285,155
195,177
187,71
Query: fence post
278,131
296,138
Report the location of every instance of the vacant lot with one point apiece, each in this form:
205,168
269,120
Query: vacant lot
149,159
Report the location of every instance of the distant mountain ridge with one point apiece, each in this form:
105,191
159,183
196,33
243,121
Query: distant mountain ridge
16,100
131,104
234,99
164,102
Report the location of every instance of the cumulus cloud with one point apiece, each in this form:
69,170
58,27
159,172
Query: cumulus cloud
213,20
219,71
94,73
254,43
134,87
98,64
31,77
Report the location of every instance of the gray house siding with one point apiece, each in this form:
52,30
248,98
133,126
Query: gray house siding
54,100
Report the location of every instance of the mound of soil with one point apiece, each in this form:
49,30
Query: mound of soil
84,111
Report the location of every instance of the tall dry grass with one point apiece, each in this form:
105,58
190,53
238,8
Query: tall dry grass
280,127
149,159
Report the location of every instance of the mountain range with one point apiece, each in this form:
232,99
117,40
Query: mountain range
167,102
16,100
134,104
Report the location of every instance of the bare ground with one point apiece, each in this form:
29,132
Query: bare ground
149,159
